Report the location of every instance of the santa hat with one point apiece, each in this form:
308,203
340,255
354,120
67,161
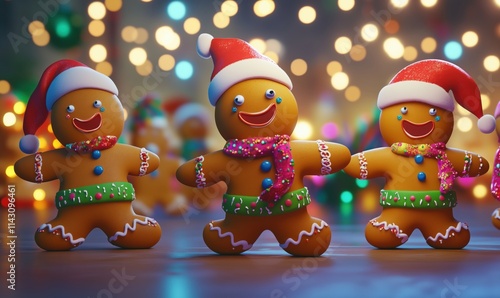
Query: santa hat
57,80
234,61
438,83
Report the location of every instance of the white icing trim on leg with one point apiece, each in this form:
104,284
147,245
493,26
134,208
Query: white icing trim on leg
132,228
496,214
394,228
63,233
449,230
243,243
314,226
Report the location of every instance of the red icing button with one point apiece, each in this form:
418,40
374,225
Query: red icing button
288,203
98,195
441,198
237,205
412,198
111,195
253,204
395,199
300,197
427,198
72,195
61,198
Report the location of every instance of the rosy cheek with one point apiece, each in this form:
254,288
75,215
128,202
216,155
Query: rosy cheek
67,116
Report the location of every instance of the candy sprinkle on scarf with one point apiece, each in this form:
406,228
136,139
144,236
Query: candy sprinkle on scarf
97,143
277,146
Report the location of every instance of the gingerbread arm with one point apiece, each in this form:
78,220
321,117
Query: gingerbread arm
206,170
467,164
319,157
369,164
43,166
141,161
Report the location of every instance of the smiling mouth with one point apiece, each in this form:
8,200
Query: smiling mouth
88,125
417,130
259,119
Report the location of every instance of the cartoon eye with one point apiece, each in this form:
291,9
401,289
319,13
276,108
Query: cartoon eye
432,111
270,93
70,108
239,100
404,110
97,103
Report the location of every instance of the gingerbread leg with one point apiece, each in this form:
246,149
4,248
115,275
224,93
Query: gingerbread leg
126,229
67,231
442,230
389,230
495,218
232,235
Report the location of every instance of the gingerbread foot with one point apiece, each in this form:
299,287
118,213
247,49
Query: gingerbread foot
55,237
495,218
455,236
383,234
310,242
142,232
226,242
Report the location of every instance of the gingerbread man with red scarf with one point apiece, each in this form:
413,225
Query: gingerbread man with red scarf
255,112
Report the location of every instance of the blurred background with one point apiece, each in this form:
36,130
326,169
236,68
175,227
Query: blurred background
338,53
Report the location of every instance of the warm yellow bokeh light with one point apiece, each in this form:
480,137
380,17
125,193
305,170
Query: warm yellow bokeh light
410,53
98,53
49,128
480,191
307,14
145,69
340,80
263,8
220,20
346,5
137,56
399,3
358,52
272,55
9,119
9,171
369,32
19,107
229,8
105,68
129,33
298,67
258,44
343,45
97,10
168,38
491,63
113,5
333,67
394,48
42,38
391,26
352,93
470,39
462,111
56,144
166,62
428,3
4,87
464,124
428,45
39,194
96,28
497,2
36,28
485,101
142,36
303,130
43,142
192,25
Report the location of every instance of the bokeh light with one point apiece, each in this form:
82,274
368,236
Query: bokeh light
330,130
303,130
166,62
333,67
229,8
98,53
369,32
346,5
428,3
491,63
470,39
144,69
113,5
346,197
399,3
485,101
137,56
192,26
168,38
9,119
410,53
39,194
19,107
340,80
343,45
452,50
464,124
184,70
391,26
9,171
358,52
4,87
221,20
428,45
129,33
298,67
394,48
105,68
259,45
96,10
263,8
142,36
96,28
352,93
480,191
176,10
307,14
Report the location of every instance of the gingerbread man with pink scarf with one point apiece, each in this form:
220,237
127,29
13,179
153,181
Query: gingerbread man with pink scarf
495,176
256,112
417,121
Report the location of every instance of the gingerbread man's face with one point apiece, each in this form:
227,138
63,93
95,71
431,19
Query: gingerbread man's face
415,123
256,108
193,128
85,114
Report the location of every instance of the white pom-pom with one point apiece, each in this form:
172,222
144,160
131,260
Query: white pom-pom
29,144
203,45
486,124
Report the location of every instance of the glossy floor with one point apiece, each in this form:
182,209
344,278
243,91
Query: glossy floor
181,265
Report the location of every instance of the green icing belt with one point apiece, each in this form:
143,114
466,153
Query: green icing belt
249,205
429,199
95,194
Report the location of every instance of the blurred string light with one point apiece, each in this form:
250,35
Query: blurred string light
39,194
96,10
104,67
4,87
346,197
258,44
485,101
303,130
192,26
464,124
39,34
184,70
343,45
333,67
346,5
391,26
393,48
298,67
144,69
428,3
428,45
142,36
221,20
113,5
491,63
274,45
470,39
352,93
168,38
229,8
19,108
263,8
453,50
497,2
176,10
307,14
137,56
410,53
98,53
166,62
96,28
9,119
340,80
361,183
399,3
330,130
369,32
9,171
480,191
358,52
129,33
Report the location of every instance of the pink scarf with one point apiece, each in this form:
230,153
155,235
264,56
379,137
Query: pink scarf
495,177
446,173
97,143
277,146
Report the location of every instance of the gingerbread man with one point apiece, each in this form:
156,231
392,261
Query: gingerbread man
87,117
417,120
495,176
255,112
149,129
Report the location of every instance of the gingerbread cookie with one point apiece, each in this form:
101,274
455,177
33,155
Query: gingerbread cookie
150,129
255,112
417,120
495,176
87,117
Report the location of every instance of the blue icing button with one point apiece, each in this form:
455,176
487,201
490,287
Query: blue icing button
96,154
98,170
266,183
419,159
421,176
266,166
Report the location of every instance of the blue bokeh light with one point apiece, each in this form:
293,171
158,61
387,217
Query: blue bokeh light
184,70
176,10
453,50
346,197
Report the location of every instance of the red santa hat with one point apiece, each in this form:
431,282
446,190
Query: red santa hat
438,83
57,80
234,61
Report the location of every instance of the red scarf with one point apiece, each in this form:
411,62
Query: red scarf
495,177
277,146
97,143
